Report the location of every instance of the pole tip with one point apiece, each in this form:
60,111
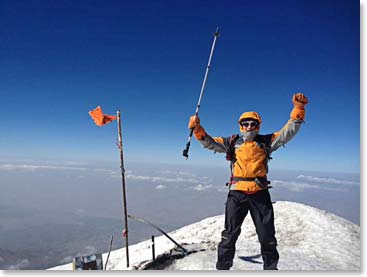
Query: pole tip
217,31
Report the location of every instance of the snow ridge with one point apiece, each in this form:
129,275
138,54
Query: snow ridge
308,239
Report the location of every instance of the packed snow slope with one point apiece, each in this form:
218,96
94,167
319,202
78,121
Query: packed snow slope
308,239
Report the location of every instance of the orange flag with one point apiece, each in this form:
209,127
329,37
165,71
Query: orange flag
99,118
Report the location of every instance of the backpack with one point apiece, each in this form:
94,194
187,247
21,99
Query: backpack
263,141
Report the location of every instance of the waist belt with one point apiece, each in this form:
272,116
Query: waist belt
260,181
237,179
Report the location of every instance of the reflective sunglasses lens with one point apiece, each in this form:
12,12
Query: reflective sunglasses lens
249,123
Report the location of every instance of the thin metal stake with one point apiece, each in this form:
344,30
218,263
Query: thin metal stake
160,230
109,252
153,248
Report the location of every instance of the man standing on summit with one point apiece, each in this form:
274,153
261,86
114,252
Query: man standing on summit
248,154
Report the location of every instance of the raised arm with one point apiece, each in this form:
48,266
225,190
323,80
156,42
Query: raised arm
293,125
216,144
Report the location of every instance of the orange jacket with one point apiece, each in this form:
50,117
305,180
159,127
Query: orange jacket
249,164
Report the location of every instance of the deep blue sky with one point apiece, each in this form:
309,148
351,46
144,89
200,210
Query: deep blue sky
60,59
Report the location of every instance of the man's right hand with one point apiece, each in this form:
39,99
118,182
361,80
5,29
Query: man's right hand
194,122
300,100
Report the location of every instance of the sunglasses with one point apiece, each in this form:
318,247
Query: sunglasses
252,124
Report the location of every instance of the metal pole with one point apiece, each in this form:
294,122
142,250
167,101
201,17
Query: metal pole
153,248
186,150
126,231
109,252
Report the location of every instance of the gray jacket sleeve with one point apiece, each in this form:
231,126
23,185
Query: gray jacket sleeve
217,144
285,134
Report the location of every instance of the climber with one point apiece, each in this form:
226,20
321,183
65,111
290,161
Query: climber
249,153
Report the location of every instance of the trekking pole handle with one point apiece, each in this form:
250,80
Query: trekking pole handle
185,153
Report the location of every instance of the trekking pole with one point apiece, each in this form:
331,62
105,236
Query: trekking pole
126,231
186,150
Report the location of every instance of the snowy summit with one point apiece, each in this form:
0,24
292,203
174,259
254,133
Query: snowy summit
308,239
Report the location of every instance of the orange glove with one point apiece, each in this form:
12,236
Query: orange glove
199,131
299,100
194,122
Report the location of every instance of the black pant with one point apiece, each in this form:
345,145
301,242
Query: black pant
261,210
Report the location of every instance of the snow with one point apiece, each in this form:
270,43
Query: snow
308,239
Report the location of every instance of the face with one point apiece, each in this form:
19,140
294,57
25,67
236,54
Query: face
249,125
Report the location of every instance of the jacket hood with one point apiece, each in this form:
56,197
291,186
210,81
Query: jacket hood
252,115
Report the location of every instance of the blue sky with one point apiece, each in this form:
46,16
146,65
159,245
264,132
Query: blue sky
60,59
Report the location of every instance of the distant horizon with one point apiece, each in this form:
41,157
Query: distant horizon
116,163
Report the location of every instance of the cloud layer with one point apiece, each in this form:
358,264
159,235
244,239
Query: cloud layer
187,179
327,180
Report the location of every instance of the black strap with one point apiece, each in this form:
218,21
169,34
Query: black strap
260,181
231,149
238,179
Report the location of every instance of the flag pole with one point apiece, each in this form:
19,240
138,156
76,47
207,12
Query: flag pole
126,232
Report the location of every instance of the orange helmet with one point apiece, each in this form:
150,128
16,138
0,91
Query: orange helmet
252,115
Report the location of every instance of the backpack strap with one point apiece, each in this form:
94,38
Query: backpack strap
260,181
264,141
231,155
231,149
